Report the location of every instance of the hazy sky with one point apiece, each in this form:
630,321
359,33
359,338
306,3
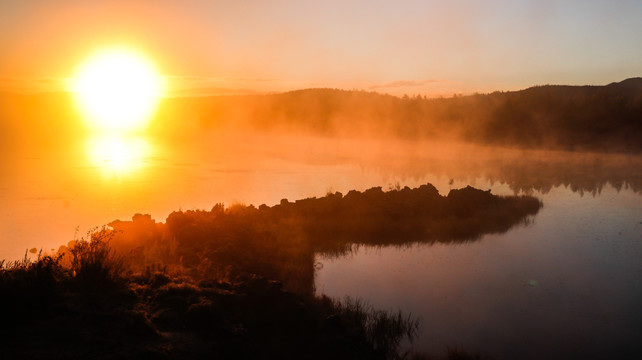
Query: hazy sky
414,47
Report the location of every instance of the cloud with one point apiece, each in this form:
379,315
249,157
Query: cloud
404,83
250,80
205,86
213,91
30,85
217,80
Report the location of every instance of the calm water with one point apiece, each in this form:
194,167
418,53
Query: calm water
568,284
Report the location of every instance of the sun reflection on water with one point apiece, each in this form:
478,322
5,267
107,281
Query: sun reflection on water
117,156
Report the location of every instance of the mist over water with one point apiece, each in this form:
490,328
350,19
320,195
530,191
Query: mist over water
49,192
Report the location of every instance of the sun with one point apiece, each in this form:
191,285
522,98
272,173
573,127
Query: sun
117,90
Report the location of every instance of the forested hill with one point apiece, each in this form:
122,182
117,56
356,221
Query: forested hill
598,118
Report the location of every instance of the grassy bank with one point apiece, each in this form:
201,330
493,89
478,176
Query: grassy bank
96,309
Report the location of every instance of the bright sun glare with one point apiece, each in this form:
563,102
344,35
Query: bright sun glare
117,90
116,156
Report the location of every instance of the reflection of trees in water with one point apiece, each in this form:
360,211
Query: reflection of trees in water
524,171
580,175
280,242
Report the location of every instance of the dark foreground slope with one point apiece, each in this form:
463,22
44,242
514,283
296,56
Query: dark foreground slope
51,312
233,283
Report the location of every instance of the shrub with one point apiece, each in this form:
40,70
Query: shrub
93,264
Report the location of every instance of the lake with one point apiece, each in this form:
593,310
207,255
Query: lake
565,284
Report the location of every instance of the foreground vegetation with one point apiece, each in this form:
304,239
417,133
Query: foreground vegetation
88,306
233,282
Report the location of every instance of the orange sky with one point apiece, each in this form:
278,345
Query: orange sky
415,47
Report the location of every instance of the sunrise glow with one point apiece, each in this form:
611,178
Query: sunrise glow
116,156
117,90
264,179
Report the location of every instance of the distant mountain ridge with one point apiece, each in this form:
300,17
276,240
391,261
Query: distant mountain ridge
633,83
588,118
